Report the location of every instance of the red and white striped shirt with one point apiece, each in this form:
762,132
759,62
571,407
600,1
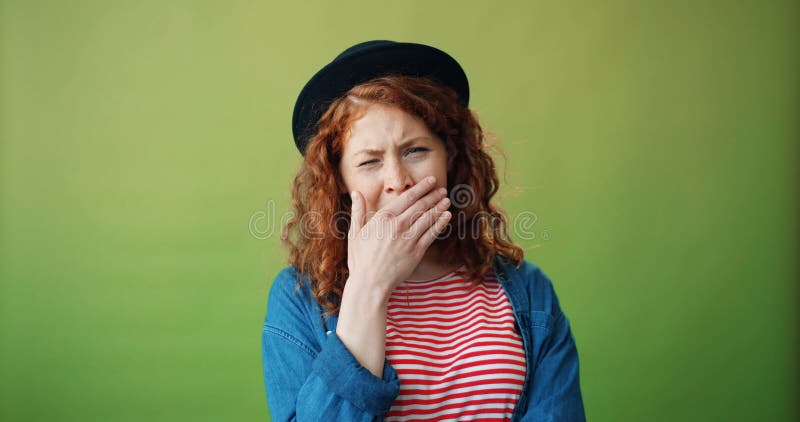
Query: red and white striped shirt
455,350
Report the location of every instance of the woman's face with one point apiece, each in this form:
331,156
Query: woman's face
387,152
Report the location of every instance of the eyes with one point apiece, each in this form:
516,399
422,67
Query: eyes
413,151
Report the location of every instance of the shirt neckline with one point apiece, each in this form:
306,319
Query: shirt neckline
445,275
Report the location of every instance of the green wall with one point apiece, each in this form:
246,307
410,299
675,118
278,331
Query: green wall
652,149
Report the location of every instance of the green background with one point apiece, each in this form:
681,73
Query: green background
652,161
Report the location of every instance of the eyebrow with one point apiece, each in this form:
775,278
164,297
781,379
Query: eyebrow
369,151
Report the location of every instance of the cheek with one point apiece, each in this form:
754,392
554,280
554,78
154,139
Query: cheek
361,183
439,169
371,194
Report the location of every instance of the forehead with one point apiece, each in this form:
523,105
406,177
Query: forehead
381,126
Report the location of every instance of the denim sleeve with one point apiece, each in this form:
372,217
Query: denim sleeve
555,387
311,380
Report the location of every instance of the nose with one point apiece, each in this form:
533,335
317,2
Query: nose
397,178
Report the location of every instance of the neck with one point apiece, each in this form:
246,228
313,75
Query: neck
432,265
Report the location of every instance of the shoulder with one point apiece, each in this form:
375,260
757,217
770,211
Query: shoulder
289,295
536,286
285,285
293,318
286,280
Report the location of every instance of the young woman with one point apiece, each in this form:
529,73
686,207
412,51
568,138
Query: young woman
405,298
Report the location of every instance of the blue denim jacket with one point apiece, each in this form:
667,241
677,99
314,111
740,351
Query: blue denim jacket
311,376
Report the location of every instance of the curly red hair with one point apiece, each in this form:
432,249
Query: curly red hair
316,234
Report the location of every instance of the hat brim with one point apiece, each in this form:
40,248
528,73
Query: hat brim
347,71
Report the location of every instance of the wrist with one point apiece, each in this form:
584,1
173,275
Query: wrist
368,294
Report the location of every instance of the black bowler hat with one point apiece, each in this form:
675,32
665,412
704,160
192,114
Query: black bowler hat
365,61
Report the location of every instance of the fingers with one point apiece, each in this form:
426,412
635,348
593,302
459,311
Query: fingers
419,208
357,214
433,231
409,197
428,219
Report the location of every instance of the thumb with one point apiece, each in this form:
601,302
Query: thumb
357,213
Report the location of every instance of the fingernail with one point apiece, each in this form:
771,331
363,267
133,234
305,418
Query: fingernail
431,179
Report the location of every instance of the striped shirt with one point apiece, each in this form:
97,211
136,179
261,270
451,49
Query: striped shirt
455,350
